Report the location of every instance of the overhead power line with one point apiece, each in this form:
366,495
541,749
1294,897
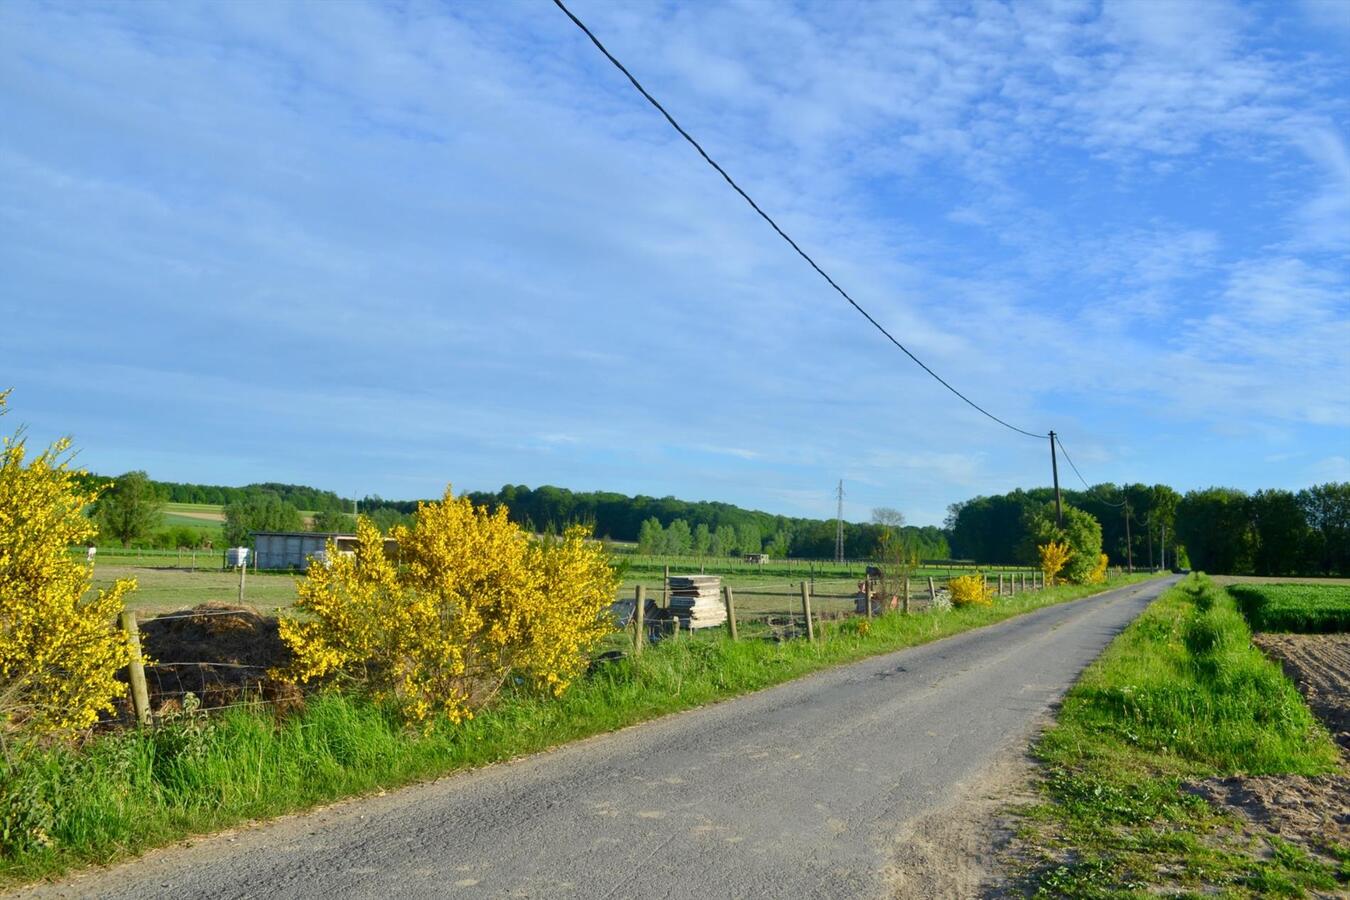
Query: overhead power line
774,225
1090,488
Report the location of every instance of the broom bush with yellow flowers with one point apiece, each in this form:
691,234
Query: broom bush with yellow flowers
467,602
59,649
970,590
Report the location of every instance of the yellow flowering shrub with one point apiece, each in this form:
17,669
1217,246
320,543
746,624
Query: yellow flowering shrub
1098,573
59,651
1054,557
470,601
970,590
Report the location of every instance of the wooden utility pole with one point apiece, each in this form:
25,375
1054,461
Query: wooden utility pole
1150,541
1054,470
1129,551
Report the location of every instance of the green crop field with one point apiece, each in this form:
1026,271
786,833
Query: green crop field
1308,608
210,512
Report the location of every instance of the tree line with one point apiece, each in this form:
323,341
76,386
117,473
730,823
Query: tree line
666,525
1217,530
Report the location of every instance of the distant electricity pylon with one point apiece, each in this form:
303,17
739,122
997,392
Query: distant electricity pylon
839,525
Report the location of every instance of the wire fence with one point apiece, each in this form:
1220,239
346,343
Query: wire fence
208,660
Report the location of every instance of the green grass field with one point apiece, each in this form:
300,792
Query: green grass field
120,794
1306,608
1180,695
161,589
173,579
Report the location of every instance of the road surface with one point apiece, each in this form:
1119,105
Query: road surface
796,791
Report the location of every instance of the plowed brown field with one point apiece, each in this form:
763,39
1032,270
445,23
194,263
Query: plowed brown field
1320,666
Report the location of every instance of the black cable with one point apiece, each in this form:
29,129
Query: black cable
1090,488
781,233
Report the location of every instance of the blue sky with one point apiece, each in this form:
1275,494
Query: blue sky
381,247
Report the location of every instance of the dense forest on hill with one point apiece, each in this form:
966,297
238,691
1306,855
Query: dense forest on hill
297,495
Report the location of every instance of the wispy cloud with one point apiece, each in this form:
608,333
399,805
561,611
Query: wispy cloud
448,239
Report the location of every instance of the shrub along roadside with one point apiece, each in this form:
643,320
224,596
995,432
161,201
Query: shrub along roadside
1181,694
124,793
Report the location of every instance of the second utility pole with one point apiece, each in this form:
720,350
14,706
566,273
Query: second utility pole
1054,467
1129,551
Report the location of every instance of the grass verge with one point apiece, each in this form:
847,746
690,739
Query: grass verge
121,794
1180,695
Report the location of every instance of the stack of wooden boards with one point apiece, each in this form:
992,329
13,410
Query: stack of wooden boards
697,600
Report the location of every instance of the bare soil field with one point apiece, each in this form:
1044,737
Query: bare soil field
1320,665
1311,813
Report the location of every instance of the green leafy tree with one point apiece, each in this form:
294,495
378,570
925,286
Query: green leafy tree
386,518
1326,508
749,539
724,540
131,509
651,537
781,544
259,512
702,540
330,521
1217,531
1282,536
679,538
1081,531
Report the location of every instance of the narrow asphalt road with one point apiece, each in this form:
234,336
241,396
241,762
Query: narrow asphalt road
796,791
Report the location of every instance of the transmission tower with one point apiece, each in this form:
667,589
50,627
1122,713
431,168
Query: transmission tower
839,525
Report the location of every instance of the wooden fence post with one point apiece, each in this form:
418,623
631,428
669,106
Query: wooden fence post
932,591
674,626
665,589
1000,584
140,696
731,609
243,570
806,611
639,625
906,595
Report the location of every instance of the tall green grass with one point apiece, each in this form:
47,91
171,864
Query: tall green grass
1307,608
1181,694
123,793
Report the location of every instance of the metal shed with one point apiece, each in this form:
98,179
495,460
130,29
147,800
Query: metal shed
294,549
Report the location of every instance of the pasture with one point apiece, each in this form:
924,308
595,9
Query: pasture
175,579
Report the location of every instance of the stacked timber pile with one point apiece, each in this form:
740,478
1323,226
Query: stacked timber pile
697,600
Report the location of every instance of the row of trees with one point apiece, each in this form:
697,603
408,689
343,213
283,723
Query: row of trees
1272,532
1219,530
815,541
678,527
